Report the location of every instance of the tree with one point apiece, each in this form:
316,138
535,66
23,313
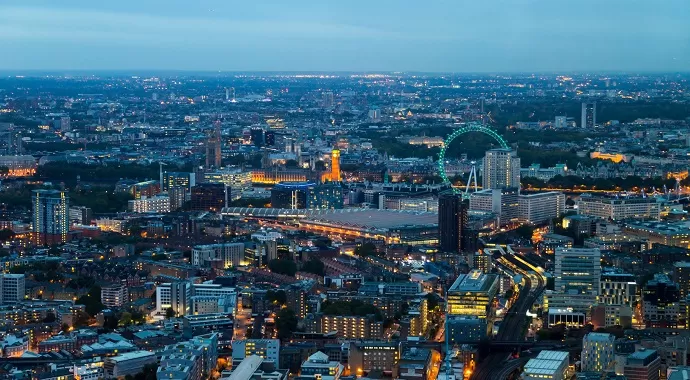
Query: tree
50,317
286,323
169,313
7,234
64,328
283,266
319,165
366,249
432,301
92,301
125,319
525,231
314,266
147,373
82,319
354,307
278,296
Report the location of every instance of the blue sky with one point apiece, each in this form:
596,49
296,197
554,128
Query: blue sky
346,35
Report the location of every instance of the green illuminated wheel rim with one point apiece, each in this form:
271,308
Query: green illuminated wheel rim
461,131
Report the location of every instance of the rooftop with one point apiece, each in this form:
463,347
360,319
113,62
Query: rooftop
246,368
475,281
131,355
600,337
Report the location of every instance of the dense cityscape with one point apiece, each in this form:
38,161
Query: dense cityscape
279,226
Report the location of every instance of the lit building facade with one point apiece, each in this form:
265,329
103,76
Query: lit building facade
614,208
50,216
504,203
540,207
155,204
577,269
470,308
501,169
598,352
114,295
237,180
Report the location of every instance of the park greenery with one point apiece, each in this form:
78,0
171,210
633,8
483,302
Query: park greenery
283,266
351,308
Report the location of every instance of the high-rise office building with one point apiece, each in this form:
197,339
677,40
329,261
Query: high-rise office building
257,136
208,197
661,302
560,122
270,138
617,287
470,309
236,179
80,215
577,269
214,147
452,222
504,203
174,179
327,99
681,276
62,124
540,207
598,352
501,169
50,216
13,288
589,115
307,195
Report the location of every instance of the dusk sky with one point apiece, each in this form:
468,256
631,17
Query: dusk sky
351,35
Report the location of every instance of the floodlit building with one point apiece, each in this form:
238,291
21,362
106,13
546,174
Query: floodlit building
471,307
237,180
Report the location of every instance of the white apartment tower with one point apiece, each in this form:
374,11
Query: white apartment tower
501,169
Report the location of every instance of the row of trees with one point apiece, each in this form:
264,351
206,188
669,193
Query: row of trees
289,267
631,183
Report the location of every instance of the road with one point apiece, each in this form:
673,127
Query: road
495,366
243,319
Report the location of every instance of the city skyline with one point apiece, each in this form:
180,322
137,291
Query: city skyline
521,36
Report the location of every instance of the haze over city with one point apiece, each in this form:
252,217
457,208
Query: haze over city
435,36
